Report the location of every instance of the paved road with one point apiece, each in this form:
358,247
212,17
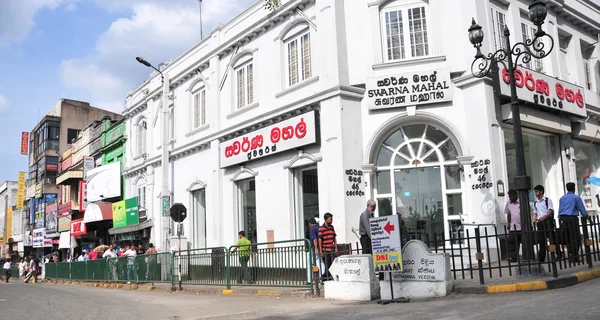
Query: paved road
47,301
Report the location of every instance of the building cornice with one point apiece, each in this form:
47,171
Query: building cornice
573,16
269,22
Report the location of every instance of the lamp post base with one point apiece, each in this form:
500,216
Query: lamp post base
529,269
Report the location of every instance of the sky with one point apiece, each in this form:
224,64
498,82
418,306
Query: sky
85,50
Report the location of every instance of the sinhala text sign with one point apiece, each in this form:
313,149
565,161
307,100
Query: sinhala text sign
409,89
286,135
386,243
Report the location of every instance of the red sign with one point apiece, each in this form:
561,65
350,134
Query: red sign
78,227
24,142
545,91
82,195
64,209
67,163
286,135
389,227
52,167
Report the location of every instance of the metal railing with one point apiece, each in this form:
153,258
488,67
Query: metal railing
277,264
142,268
487,252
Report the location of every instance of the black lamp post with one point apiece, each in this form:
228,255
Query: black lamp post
509,57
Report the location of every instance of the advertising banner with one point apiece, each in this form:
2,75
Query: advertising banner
38,237
51,217
82,195
24,143
119,214
386,243
64,223
38,191
104,182
40,213
9,224
132,211
21,189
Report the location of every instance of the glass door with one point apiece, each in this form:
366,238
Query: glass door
419,200
306,199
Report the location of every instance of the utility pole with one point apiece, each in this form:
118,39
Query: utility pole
165,202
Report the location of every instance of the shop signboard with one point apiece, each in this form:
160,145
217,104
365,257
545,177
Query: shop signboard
409,89
9,224
38,237
88,164
21,190
78,227
40,217
119,214
286,135
64,223
32,210
132,211
30,192
104,182
386,243
545,92
38,191
64,208
52,166
24,143
51,216
82,195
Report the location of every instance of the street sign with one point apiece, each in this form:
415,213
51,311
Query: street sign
386,243
178,212
165,206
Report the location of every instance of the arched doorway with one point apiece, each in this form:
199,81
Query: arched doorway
417,175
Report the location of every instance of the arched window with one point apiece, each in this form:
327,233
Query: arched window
418,177
243,73
198,90
140,139
405,30
298,53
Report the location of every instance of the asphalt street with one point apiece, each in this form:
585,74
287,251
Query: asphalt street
49,301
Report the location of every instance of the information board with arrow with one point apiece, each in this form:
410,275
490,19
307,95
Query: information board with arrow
386,243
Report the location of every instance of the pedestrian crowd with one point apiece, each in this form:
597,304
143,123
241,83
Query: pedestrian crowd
565,237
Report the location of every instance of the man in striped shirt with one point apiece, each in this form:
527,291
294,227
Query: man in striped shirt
327,243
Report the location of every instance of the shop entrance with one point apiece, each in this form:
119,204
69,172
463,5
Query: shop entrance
306,199
419,178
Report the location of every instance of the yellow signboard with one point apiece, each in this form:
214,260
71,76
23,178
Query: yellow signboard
387,261
9,223
21,190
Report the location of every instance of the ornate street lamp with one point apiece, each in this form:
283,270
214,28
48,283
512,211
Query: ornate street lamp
509,57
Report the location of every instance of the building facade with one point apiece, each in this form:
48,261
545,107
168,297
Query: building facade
276,118
8,201
56,138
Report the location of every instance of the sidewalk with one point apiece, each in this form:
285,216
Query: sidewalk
494,283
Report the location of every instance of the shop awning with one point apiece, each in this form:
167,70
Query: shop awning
98,211
135,227
66,176
65,240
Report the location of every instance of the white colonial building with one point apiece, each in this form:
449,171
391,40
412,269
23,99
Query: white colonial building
279,117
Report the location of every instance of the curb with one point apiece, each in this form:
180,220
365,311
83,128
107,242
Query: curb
560,282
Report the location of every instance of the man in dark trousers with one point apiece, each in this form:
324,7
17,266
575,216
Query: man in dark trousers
513,217
327,241
364,227
543,217
570,206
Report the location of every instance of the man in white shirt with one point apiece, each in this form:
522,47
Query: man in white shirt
131,254
6,268
543,217
110,254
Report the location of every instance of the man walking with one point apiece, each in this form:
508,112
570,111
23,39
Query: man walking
513,217
151,262
570,206
33,269
544,218
7,273
245,247
364,227
327,241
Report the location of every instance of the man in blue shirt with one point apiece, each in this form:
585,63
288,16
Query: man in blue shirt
570,206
